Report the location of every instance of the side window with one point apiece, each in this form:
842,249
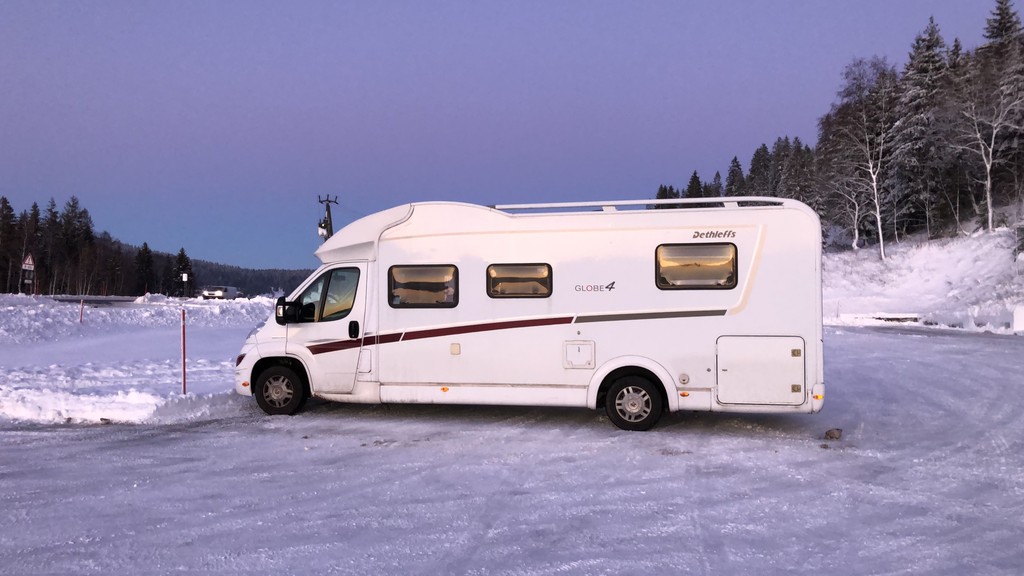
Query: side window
418,286
310,299
519,280
341,294
329,297
695,266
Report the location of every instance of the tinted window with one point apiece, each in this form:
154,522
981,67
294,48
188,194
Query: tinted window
330,296
696,266
341,293
519,280
418,286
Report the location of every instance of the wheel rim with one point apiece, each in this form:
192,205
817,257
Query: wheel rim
278,391
633,404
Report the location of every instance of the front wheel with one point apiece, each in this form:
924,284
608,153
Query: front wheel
633,403
279,390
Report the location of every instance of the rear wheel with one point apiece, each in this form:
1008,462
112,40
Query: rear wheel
633,403
279,390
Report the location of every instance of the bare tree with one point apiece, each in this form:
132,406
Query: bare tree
851,205
854,138
990,106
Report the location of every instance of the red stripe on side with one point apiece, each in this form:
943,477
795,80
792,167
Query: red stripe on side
436,333
335,346
350,344
383,338
486,327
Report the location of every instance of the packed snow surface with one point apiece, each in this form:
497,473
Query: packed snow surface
106,467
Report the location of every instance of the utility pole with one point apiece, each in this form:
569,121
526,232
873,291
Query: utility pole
326,227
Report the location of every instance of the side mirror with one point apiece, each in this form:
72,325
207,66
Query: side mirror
286,312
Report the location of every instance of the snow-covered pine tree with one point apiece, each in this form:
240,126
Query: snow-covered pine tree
735,183
920,157
798,179
844,198
1004,24
781,151
182,266
958,182
666,193
10,262
1011,145
29,225
759,175
76,248
713,189
694,188
144,271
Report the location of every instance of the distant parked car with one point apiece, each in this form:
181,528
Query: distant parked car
220,293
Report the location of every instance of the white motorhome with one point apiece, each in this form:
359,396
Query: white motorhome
613,305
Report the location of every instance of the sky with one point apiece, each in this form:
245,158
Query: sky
216,126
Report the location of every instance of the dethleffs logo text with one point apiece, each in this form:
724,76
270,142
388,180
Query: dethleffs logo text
714,234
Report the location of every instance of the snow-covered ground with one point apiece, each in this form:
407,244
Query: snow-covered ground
106,468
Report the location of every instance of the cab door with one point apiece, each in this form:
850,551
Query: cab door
328,333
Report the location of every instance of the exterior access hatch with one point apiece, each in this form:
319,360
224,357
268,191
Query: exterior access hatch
761,370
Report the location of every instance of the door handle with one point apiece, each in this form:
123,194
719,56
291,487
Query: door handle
353,329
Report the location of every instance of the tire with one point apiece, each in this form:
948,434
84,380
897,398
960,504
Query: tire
633,403
279,390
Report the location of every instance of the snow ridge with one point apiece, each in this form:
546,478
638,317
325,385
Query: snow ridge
971,283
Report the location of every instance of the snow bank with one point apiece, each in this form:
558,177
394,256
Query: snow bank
121,363
142,391
969,283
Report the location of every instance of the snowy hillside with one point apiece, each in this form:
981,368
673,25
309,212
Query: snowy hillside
971,283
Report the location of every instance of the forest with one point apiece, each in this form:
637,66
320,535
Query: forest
68,257
933,148
930,148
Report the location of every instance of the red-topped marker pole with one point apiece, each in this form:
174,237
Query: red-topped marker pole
183,380
184,292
